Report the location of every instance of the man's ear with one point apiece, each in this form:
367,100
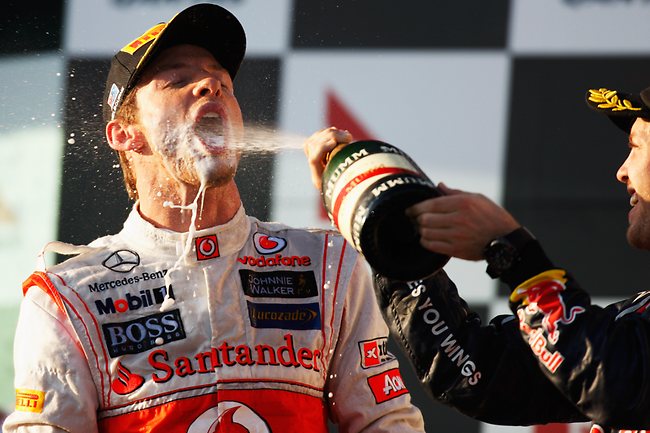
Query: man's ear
123,137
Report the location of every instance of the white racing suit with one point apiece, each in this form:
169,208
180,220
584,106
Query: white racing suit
257,328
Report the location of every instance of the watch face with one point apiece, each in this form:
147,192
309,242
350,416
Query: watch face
500,255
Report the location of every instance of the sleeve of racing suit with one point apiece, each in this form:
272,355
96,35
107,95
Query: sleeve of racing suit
51,373
485,371
365,389
599,358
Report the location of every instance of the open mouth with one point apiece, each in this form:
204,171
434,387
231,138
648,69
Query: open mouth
211,131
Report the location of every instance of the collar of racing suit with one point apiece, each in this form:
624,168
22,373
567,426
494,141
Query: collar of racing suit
227,238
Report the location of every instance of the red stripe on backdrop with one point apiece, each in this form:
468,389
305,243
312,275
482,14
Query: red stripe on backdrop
339,115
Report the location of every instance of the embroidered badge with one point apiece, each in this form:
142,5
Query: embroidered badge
609,100
29,400
207,247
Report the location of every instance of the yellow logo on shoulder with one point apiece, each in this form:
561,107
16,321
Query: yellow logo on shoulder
149,35
29,400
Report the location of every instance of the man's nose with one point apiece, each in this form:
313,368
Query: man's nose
621,173
207,87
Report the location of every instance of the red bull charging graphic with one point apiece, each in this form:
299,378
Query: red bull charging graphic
542,294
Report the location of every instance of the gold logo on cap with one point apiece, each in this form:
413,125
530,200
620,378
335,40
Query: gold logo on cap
147,36
608,99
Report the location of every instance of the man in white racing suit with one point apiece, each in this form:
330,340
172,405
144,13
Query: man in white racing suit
196,317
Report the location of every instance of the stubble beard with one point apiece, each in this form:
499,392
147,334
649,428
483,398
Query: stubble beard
185,157
638,233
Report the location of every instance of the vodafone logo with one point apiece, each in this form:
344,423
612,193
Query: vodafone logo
265,244
207,247
231,417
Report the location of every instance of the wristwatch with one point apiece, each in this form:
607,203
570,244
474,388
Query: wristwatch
502,253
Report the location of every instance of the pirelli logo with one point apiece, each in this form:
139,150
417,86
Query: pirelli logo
29,400
149,35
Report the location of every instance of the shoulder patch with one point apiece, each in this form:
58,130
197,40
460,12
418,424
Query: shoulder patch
29,400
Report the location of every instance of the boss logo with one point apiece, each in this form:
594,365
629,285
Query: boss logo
142,334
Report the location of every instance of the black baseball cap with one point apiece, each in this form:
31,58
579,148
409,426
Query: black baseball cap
206,25
621,108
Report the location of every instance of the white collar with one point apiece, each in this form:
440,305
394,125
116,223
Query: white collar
143,235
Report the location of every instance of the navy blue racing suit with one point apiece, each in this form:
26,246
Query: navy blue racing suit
557,359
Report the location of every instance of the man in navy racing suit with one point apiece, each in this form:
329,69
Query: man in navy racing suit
558,358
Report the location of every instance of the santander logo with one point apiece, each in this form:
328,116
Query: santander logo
265,244
126,382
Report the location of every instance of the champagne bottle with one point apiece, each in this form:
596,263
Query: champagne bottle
367,187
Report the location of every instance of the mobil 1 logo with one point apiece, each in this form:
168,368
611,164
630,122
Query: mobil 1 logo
129,302
139,335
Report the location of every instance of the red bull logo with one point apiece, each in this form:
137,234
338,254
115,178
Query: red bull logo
543,293
538,344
